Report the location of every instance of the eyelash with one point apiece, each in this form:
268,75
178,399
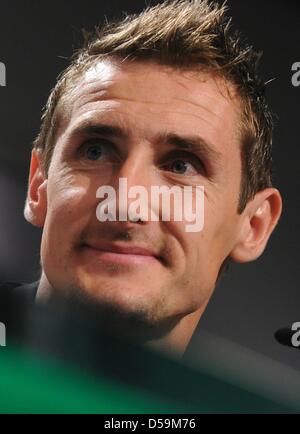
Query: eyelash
174,156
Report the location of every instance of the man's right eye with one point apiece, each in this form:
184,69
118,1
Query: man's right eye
96,150
93,152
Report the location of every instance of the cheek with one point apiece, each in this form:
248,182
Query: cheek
72,204
207,249
219,233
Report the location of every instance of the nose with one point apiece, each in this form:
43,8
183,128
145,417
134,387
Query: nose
135,178
136,169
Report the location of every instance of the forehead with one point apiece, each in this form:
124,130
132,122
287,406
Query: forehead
148,99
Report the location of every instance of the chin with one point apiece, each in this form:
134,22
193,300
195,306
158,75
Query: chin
121,298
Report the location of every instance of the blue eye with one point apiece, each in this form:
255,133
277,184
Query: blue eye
179,166
94,152
184,167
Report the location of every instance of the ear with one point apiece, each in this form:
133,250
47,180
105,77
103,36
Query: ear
259,219
36,202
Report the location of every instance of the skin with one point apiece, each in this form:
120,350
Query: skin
166,291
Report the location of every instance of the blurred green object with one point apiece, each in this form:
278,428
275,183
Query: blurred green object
30,384
63,358
33,384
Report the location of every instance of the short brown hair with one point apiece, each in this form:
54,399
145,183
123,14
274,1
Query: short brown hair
182,34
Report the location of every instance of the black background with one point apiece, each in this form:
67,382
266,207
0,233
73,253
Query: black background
36,37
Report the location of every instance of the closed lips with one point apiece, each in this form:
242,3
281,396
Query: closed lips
123,250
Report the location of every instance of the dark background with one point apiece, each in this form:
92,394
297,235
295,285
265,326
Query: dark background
36,37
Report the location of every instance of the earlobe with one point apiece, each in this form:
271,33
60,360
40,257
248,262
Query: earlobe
36,202
258,221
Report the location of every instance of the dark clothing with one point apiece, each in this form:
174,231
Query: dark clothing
24,291
16,305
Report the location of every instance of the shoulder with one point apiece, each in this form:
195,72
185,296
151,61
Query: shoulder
16,301
19,290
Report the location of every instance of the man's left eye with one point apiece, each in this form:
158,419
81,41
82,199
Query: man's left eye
183,167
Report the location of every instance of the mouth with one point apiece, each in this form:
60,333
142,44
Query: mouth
121,254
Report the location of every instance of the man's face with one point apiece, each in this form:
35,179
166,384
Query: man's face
134,121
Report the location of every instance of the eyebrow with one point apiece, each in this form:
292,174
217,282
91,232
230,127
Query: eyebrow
194,144
191,143
88,128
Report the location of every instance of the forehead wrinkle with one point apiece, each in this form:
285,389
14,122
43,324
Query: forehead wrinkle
90,106
155,102
80,99
105,97
116,100
123,113
104,93
111,94
202,106
174,112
